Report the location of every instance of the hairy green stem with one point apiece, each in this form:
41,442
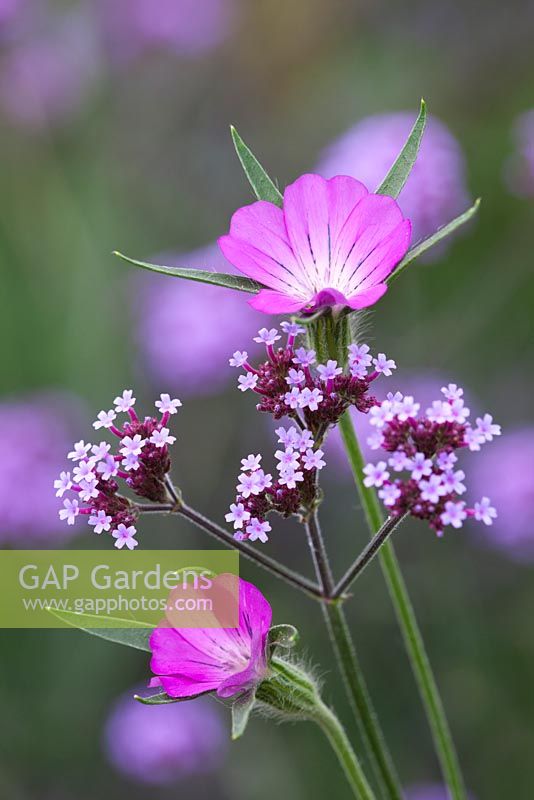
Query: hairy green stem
408,623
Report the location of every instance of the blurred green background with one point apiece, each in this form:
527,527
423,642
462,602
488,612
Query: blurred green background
144,163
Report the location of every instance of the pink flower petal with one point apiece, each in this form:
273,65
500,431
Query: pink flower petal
383,259
271,302
367,298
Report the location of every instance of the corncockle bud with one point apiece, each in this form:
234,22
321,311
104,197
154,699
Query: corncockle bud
162,744
291,384
142,462
423,446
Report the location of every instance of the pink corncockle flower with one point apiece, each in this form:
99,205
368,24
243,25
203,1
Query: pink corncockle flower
420,466
238,514
125,401
375,474
79,451
166,405
454,514
100,521
162,437
258,530
295,377
487,428
69,512
192,661
105,419
251,462
310,398
247,381
389,494
239,359
484,511
63,483
313,459
132,445
304,357
384,365
125,537
332,244
436,189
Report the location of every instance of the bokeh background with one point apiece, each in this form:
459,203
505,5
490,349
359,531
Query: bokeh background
114,133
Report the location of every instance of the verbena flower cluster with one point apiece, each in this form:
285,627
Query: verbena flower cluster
142,462
424,445
291,384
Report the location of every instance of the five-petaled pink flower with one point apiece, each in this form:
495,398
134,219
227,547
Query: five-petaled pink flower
333,244
191,661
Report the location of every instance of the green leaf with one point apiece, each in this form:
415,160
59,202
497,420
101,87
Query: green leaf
132,634
282,636
426,244
262,185
400,171
237,282
241,709
160,699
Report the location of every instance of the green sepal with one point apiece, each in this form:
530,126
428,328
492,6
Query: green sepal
136,635
241,710
163,699
237,282
263,187
400,171
282,636
426,244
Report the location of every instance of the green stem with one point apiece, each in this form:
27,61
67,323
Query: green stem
351,671
408,623
337,737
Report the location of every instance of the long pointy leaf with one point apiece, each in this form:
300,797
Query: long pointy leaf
437,237
237,282
400,171
262,185
121,631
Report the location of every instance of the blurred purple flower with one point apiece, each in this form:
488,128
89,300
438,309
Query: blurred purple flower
187,331
186,27
505,471
9,9
47,71
436,190
428,791
162,744
34,435
519,170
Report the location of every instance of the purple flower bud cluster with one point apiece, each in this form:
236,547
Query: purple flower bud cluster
423,446
294,492
290,385
142,461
